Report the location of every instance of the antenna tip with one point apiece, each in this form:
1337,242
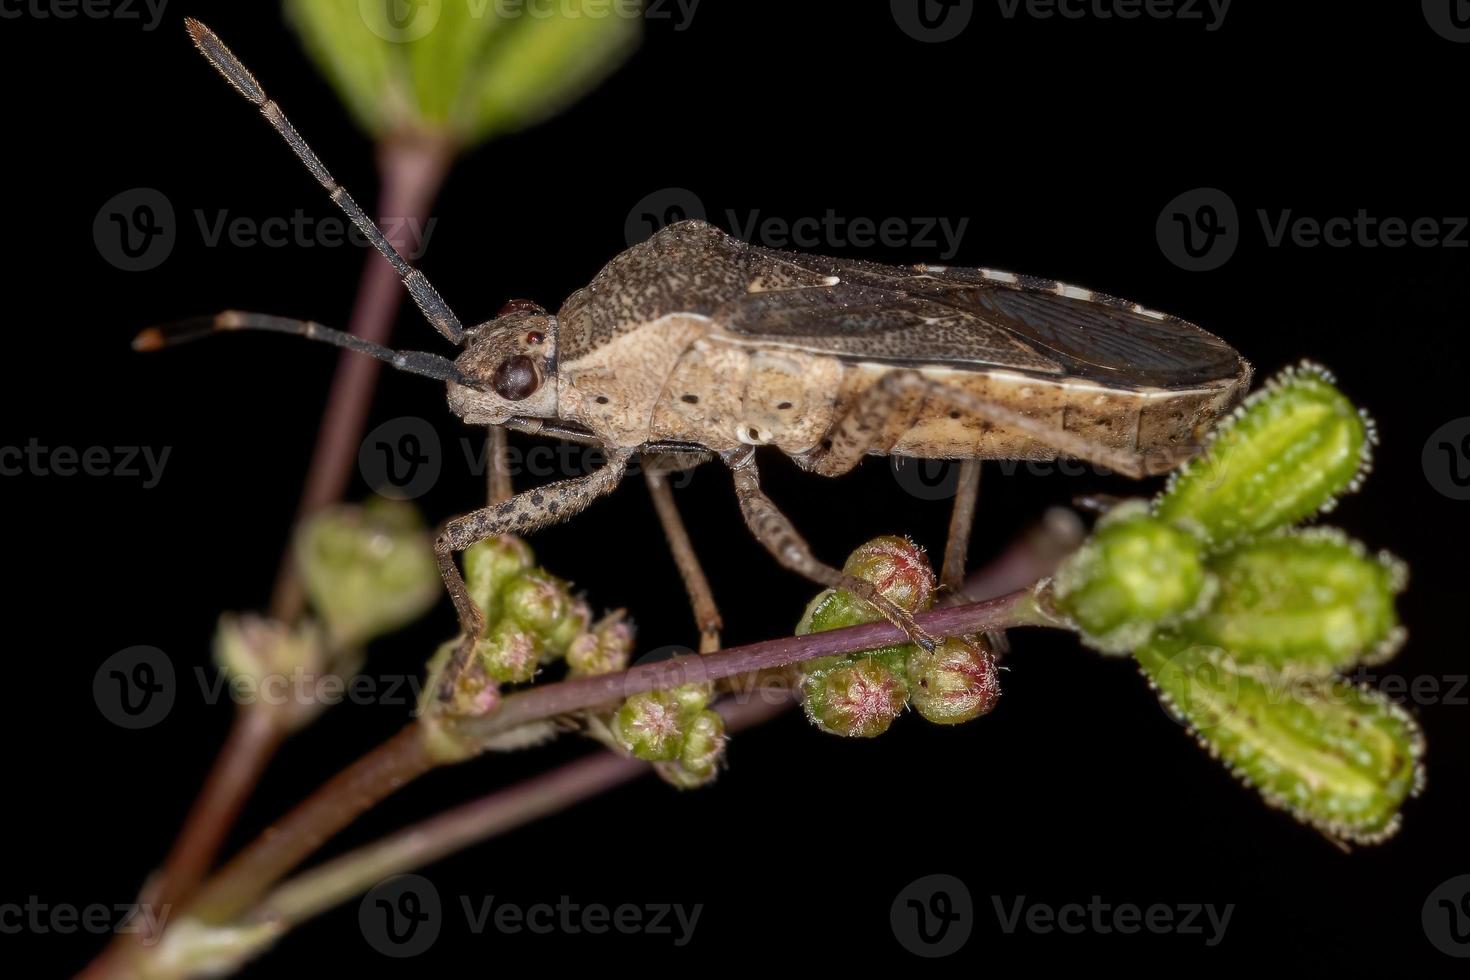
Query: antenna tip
149,340
224,60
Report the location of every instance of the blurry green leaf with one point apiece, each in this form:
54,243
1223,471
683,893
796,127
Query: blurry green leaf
467,69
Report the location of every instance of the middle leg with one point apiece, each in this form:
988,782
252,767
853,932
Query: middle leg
777,534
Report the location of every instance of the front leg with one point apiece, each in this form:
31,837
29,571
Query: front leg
521,514
778,535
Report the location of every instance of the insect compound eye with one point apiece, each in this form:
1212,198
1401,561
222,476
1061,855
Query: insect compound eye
515,380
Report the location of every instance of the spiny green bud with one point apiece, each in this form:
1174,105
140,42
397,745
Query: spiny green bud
651,725
1287,454
509,653
899,570
606,649
475,693
699,758
490,565
955,683
859,698
1133,575
1310,601
1340,757
368,570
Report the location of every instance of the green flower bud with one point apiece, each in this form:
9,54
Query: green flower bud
956,683
699,758
651,725
899,570
490,565
1310,601
1133,575
1340,757
508,653
604,650
368,570
274,666
1288,453
859,699
537,601
475,693
574,623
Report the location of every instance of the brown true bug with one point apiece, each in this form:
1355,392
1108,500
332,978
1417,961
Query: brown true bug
693,344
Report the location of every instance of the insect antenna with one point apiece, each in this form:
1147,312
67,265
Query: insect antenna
435,310
414,362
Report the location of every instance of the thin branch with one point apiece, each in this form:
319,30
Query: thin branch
1004,612
419,747
413,847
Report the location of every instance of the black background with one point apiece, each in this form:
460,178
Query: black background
1060,140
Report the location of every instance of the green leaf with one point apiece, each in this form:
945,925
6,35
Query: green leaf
468,71
1340,757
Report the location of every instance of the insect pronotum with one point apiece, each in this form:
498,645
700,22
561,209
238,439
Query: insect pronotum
693,345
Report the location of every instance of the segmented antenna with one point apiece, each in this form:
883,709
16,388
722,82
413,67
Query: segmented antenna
435,310
414,362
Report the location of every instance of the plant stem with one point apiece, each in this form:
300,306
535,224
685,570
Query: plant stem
341,800
1004,612
411,171
251,742
413,847
411,753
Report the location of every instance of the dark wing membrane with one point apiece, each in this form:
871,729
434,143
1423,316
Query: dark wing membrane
969,318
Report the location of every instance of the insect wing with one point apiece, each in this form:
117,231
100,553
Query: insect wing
969,318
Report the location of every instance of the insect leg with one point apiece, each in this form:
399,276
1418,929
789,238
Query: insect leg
961,522
777,534
525,512
429,302
701,598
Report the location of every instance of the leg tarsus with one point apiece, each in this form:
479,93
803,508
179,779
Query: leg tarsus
521,514
776,533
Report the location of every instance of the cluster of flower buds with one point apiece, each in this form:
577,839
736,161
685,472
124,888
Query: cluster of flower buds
1241,620
532,620
676,730
859,695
